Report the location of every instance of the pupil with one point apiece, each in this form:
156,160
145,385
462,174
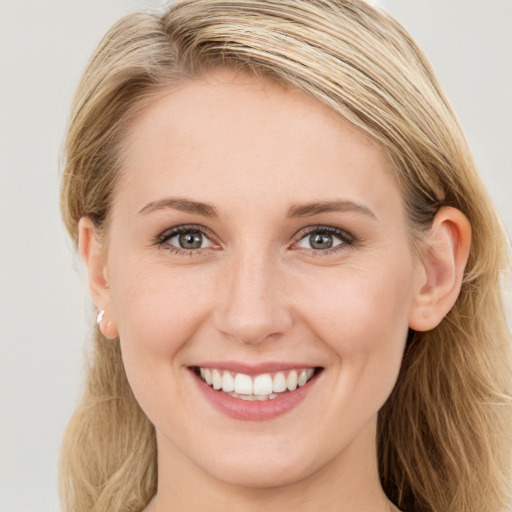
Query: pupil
321,241
191,240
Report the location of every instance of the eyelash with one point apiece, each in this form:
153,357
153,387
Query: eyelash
346,239
162,239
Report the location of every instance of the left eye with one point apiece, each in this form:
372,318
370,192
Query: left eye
321,239
188,239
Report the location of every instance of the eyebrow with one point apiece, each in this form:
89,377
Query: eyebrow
300,210
309,209
184,205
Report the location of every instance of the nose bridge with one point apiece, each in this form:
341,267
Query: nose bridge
253,305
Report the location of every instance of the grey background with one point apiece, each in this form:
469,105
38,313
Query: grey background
44,303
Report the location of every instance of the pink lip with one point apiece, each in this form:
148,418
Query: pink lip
253,369
253,410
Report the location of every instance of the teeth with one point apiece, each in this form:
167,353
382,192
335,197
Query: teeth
279,384
261,387
243,384
254,398
303,378
217,379
228,384
291,381
263,384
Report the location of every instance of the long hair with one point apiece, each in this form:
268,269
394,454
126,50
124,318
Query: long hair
444,435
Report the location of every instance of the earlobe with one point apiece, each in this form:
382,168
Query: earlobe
442,269
94,257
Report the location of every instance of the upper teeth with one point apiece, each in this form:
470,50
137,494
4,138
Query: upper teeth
263,384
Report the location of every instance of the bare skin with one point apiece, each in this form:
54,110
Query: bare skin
259,287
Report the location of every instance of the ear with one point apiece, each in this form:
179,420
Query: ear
441,269
94,256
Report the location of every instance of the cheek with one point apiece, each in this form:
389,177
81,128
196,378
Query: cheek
363,317
158,307
159,310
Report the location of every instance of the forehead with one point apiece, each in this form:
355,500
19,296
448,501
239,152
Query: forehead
233,135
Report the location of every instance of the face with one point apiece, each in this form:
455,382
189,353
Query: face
254,234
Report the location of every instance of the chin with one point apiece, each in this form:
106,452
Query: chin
260,476
259,470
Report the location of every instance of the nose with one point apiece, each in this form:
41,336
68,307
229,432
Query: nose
252,304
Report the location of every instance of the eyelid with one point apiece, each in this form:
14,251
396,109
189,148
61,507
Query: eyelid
169,233
346,238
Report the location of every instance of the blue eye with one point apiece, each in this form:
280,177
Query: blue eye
324,239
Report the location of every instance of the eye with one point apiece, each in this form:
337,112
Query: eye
324,238
185,238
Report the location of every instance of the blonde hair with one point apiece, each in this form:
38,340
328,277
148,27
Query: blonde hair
444,435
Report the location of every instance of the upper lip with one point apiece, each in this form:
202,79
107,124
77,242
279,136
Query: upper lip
251,368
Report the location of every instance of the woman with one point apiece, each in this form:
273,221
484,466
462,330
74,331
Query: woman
296,269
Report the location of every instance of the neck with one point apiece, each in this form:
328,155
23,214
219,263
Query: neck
347,483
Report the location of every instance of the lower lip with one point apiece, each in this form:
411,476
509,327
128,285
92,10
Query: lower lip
257,410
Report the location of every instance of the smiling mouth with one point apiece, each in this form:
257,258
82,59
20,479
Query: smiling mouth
265,386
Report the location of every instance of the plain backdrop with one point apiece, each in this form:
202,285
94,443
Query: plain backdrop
44,305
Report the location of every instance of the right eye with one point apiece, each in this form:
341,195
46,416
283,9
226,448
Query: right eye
185,239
